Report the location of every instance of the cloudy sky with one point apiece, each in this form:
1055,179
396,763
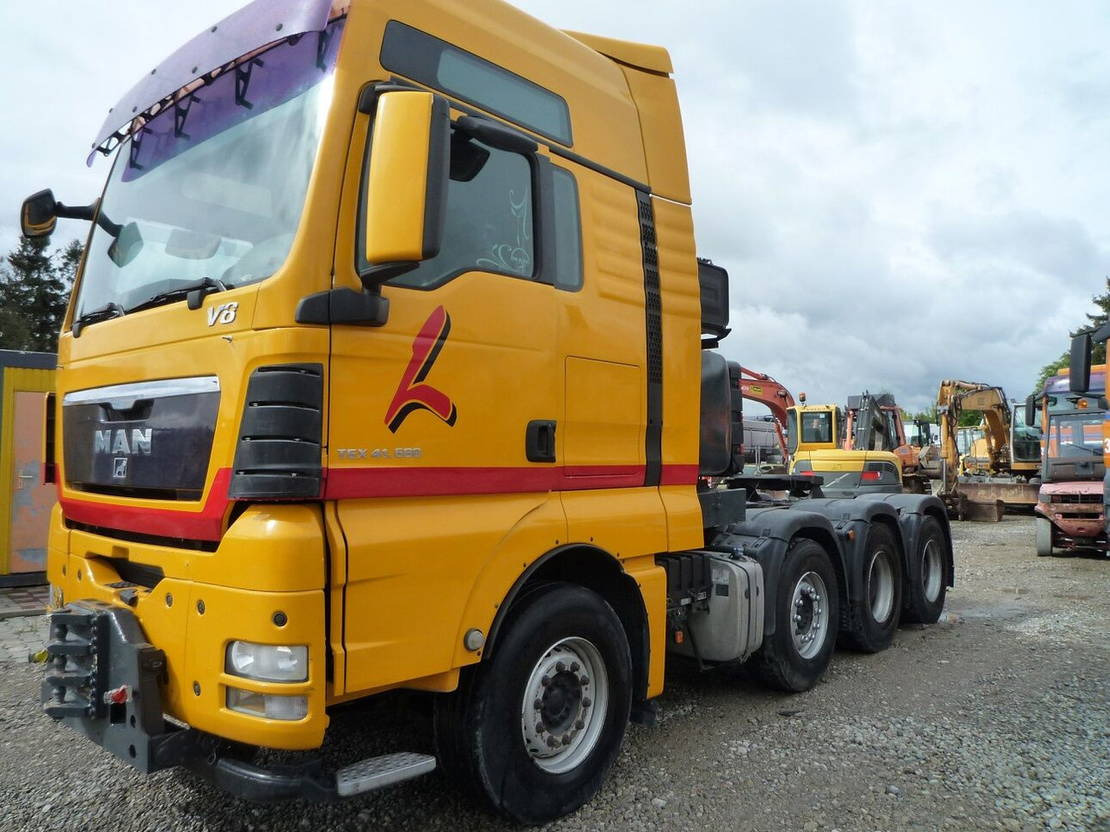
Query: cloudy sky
901,191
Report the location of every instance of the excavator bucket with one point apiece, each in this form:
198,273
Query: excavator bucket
1012,494
960,507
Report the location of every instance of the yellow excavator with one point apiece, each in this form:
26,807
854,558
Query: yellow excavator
815,439
989,477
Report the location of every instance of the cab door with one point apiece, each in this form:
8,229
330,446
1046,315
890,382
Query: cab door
607,496
442,423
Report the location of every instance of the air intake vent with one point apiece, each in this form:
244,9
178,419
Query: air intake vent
279,439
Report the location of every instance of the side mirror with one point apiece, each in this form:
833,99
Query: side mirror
1030,411
1079,371
126,246
405,183
39,214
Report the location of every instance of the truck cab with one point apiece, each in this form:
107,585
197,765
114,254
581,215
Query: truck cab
389,366
1070,509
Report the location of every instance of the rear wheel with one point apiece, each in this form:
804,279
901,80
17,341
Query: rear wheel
926,585
881,604
533,730
1044,537
807,617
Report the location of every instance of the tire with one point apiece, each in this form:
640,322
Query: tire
1044,537
926,585
880,608
485,734
787,660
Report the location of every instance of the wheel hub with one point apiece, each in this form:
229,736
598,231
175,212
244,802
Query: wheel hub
564,704
810,615
880,586
931,571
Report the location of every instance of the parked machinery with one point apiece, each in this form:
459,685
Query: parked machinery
817,439
1070,510
1080,381
981,496
760,387
874,422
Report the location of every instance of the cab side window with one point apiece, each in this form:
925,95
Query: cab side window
489,218
568,231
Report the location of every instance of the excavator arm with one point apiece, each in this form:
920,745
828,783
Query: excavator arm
953,398
760,387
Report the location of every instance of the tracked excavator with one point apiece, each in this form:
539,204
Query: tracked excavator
760,387
874,423
816,437
998,480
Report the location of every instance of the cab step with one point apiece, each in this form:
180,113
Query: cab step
379,772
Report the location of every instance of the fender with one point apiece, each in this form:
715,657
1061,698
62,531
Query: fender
912,511
607,576
858,515
765,535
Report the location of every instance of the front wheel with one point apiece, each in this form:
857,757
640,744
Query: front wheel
807,617
1044,537
881,604
533,730
926,585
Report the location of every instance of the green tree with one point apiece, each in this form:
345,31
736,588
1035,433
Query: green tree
1098,354
34,290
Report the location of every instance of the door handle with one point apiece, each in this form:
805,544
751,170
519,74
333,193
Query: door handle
21,478
539,441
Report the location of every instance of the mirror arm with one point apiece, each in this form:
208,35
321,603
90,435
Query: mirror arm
375,275
496,135
87,213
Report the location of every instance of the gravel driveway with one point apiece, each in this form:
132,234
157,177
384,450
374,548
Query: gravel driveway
996,718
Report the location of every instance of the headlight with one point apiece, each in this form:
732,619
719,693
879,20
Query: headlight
268,662
267,705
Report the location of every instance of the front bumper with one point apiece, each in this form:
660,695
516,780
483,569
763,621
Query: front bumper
104,680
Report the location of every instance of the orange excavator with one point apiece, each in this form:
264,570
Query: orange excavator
760,387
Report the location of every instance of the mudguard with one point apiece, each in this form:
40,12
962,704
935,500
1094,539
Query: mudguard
912,511
765,534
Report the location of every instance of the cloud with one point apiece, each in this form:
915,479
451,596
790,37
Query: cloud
902,192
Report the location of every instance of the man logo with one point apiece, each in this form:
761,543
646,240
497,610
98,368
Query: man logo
119,470
412,393
116,442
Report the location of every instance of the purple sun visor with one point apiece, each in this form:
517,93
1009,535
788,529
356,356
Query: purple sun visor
255,25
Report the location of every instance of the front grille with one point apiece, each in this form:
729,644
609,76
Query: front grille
1095,499
147,439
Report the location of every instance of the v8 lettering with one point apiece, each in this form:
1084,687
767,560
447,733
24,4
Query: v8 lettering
223,314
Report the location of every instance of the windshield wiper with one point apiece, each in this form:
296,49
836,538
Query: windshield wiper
104,313
195,292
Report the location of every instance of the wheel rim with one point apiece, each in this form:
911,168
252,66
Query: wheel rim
811,615
931,570
565,702
880,586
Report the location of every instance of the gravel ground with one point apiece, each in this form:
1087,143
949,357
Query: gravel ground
996,718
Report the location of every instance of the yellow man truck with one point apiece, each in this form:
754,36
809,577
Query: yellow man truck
384,369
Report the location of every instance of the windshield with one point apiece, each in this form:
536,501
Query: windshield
817,427
213,186
1074,436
